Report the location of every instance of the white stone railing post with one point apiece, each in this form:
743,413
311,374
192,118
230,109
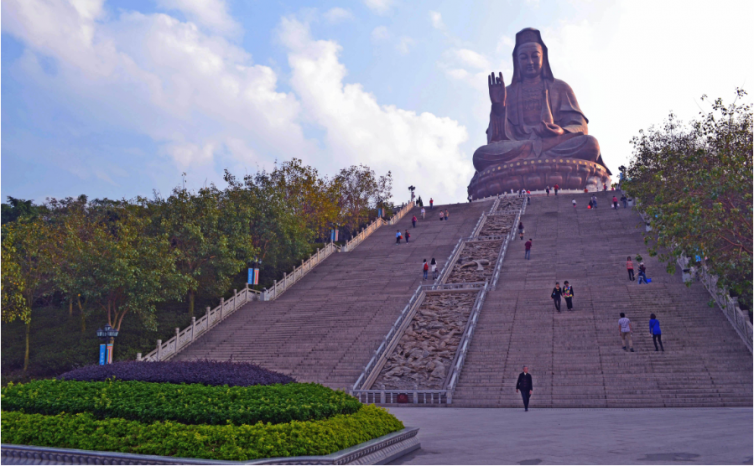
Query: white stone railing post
193,328
222,308
235,295
159,350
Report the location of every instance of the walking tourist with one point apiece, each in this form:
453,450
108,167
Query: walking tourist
642,274
528,197
568,295
423,212
431,203
589,206
413,221
615,203
574,203
526,386
604,186
425,267
556,189
555,295
520,228
527,249
398,237
442,215
408,235
624,328
447,214
654,330
547,190
594,201
434,269
630,268
624,200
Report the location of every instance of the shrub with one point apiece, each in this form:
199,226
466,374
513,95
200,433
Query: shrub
228,442
191,372
188,404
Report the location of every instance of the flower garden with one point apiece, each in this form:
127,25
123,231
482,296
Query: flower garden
201,409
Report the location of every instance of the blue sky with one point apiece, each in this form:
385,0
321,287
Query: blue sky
117,99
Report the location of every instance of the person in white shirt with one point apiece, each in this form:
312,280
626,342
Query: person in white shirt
423,212
624,328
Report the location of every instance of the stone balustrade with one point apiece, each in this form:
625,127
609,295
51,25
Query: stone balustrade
214,316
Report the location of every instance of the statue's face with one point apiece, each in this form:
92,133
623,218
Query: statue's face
530,59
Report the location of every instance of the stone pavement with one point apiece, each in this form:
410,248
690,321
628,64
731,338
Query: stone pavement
580,435
576,357
327,326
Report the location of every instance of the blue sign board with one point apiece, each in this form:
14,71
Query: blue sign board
250,280
102,354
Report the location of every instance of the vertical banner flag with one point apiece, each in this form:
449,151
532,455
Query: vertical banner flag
250,279
333,235
102,354
256,276
109,353
379,212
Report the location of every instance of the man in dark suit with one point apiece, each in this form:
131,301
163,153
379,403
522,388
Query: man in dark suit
526,386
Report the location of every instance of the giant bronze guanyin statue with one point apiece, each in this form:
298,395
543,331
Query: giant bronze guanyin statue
538,135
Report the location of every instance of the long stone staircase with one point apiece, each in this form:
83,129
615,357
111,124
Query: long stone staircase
576,357
327,326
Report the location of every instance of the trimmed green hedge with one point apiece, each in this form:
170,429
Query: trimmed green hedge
228,442
187,404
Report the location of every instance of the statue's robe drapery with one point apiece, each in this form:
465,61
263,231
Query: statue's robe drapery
510,137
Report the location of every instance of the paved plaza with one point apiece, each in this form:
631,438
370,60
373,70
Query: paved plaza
580,435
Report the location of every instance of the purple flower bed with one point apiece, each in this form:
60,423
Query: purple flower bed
230,373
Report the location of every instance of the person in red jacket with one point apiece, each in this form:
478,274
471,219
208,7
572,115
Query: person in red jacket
431,203
615,202
556,187
408,235
425,268
527,248
413,220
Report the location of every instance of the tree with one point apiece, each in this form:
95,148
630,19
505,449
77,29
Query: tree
118,266
694,184
210,241
30,248
359,191
14,304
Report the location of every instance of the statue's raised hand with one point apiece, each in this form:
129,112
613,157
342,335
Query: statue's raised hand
497,88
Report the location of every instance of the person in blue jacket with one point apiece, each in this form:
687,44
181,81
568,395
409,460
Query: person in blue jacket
654,330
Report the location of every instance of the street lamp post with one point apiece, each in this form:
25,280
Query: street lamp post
107,336
412,188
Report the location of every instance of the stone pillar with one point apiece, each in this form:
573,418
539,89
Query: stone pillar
159,350
222,308
138,356
193,327
235,299
177,338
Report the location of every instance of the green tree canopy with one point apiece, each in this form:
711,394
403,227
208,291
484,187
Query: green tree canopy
694,184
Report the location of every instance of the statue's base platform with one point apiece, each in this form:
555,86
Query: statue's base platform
537,174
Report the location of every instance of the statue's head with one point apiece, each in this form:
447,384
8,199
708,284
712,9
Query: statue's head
530,56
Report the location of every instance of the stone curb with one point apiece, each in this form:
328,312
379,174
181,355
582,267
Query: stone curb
381,450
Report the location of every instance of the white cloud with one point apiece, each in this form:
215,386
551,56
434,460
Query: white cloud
472,59
421,149
379,7
404,45
200,98
380,34
505,44
337,15
211,14
436,19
